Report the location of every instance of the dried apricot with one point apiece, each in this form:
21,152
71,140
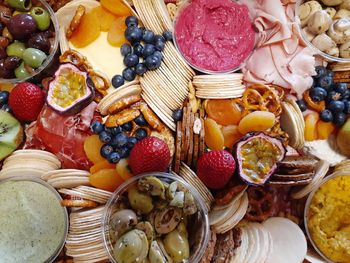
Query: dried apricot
106,18
214,138
101,165
324,129
115,35
231,135
92,147
88,30
256,121
310,132
106,179
224,112
116,7
123,169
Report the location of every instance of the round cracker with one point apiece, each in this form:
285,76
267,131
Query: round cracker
68,181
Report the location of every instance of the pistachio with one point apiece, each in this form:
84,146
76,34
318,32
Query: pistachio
166,220
122,221
147,228
152,185
319,22
189,204
333,52
140,201
178,200
307,34
176,245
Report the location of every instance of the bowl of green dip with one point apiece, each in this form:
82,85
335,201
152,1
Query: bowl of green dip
33,224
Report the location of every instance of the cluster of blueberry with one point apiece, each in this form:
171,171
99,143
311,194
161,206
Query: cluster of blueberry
117,144
336,97
142,53
4,98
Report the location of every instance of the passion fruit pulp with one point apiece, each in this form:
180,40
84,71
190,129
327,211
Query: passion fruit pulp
70,91
257,155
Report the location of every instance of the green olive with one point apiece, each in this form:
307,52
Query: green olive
42,17
16,49
18,13
22,5
34,57
21,72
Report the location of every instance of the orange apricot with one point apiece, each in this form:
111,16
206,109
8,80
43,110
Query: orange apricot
101,165
116,7
256,121
123,169
324,129
92,147
213,138
106,179
106,18
224,112
231,135
115,35
310,132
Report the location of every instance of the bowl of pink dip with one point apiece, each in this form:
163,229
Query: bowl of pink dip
214,36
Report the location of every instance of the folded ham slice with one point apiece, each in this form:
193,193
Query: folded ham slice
62,135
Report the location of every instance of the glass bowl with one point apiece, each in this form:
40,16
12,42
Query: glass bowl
33,225
252,15
54,46
198,237
307,208
327,57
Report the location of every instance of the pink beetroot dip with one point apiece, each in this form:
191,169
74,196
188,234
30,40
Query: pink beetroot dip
215,35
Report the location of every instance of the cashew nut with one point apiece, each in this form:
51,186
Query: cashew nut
344,50
339,31
319,22
333,52
308,35
332,2
345,5
307,9
323,42
342,13
331,11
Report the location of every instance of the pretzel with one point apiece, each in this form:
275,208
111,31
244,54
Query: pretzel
79,13
78,203
100,81
135,127
261,204
151,118
122,117
123,103
276,131
226,196
77,59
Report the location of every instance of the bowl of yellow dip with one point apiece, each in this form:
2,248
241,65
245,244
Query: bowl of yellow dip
33,224
327,218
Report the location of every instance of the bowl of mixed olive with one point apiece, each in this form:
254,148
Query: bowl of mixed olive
28,40
155,217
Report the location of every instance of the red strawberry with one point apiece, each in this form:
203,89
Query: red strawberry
215,168
26,101
149,155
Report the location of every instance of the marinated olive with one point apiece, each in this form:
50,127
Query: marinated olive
41,17
5,73
2,53
5,14
140,201
40,41
34,57
23,5
11,63
4,42
6,33
22,26
15,49
21,72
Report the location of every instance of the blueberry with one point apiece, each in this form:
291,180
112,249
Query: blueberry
125,49
6,108
116,130
133,34
158,54
140,134
138,49
177,114
129,74
346,94
113,157
105,137
131,143
127,126
140,69
168,36
4,97
302,105
123,152
140,120
325,82
339,119
97,127
159,38
321,71
347,107
148,50
117,81
153,62
336,106
131,60
326,116
318,94
148,36
131,21
120,140
341,88
106,150
160,45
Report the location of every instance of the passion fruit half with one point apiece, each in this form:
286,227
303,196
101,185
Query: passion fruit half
70,91
257,155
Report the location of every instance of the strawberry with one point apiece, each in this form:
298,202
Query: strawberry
151,154
215,168
26,101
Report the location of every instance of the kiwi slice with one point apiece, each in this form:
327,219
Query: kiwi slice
11,134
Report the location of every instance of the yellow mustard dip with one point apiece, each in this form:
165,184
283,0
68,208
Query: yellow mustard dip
329,219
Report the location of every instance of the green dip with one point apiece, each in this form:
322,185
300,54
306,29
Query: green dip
32,222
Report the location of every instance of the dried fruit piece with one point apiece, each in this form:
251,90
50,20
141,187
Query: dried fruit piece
101,165
92,147
324,129
106,18
123,169
231,135
256,121
310,132
115,35
106,179
214,138
224,112
88,30
116,7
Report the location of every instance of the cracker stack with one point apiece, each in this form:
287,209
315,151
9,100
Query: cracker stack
66,178
29,163
165,89
341,72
